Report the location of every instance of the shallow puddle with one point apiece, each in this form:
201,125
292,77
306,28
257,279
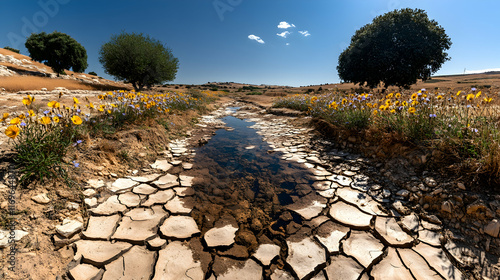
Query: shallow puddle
237,174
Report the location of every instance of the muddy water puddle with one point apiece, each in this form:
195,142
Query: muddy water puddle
241,180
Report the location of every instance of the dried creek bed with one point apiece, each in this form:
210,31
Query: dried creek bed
256,196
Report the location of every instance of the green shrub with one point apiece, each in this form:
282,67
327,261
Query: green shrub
12,49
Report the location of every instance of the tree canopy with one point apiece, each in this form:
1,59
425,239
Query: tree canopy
138,59
397,48
57,50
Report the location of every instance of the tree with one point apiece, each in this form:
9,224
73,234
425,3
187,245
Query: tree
397,48
57,50
12,49
138,59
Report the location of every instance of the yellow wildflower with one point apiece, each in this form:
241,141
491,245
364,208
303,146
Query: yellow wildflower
15,121
45,120
31,113
76,100
470,97
398,95
439,97
478,94
12,131
393,111
76,120
54,104
411,110
487,99
56,119
5,115
458,93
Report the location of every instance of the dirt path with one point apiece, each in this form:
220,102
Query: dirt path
183,219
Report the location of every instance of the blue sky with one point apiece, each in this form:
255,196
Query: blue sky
211,37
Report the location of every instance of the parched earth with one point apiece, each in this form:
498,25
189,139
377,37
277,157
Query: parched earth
287,206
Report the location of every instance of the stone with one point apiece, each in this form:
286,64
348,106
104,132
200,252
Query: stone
228,269
90,202
137,263
166,181
361,200
266,253
186,181
139,224
438,260
156,243
309,206
60,242
187,166
101,227
129,199
279,274
304,256
236,251
327,193
69,228
350,215
329,234
144,189
122,185
430,226
95,183
493,228
341,180
391,232
447,207
410,222
400,208
5,237
161,197
161,164
430,182
179,205
179,227
363,246
176,262
391,267
430,237
84,272
72,206
417,265
146,178
223,236
184,191
343,268
461,186
89,192
99,253
41,198
109,207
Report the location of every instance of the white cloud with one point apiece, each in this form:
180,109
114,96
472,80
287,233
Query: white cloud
482,71
285,25
288,44
256,38
283,34
305,33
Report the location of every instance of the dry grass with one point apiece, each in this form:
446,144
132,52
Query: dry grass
19,83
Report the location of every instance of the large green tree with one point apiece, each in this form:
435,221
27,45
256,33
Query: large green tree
397,48
57,50
138,59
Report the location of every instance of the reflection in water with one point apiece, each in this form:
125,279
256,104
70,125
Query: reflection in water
251,184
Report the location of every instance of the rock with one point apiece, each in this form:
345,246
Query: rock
266,253
95,183
41,198
146,178
161,164
228,269
90,202
223,236
176,262
461,186
101,227
69,228
186,181
304,256
403,193
85,272
350,215
99,253
309,206
400,208
391,267
430,237
343,268
187,166
89,192
279,274
417,265
341,180
322,185
122,185
137,263
166,181
410,222
179,227
109,207
5,237
60,242
391,232
179,205
438,260
330,234
161,197
461,254
327,193
493,228
184,191
430,182
129,199
144,189
157,243
363,246
139,224
72,206
447,207
361,200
